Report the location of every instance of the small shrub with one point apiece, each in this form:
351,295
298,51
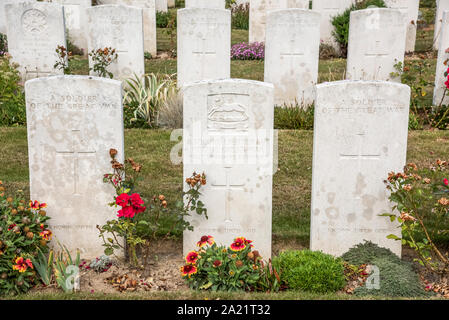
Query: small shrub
146,95
293,118
310,271
171,112
421,195
327,51
23,233
397,278
102,59
220,268
240,16
341,22
162,19
3,44
12,96
248,51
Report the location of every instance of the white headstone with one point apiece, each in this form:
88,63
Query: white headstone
35,30
72,122
76,21
161,5
214,4
121,28
171,3
291,55
329,9
204,44
258,10
228,135
440,93
373,52
409,9
149,21
3,13
442,5
360,135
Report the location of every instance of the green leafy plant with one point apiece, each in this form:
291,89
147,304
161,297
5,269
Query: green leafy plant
23,233
421,196
341,22
63,59
44,266
12,96
220,268
140,225
294,117
310,271
3,44
145,95
66,269
396,277
101,60
240,16
163,18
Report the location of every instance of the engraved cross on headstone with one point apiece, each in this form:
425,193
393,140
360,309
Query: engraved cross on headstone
228,185
75,152
378,53
351,206
360,155
204,52
292,54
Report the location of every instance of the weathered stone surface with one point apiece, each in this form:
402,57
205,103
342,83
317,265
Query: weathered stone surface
214,4
204,44
171,3
329,9
440,93
149,21
119,27
442,5
258,15
72,123
76,21
228,135
35,30
161,5
409,9
372,52
3,13
291,55
360,135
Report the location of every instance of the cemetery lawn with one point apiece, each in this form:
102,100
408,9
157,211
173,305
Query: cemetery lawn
291,194
291,184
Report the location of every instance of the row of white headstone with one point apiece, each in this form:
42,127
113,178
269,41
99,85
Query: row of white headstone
360,136
204,40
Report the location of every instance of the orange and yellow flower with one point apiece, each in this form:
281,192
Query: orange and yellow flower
205,240
188,270
46,235
36,205
239,244
22,265
192,257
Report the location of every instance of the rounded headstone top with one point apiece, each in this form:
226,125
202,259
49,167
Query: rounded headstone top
227,81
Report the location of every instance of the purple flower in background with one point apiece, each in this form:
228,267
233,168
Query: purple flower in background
248,51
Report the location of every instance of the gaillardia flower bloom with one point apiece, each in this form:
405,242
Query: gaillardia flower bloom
46,235
192,257
22,265
188,270
239,244
205,240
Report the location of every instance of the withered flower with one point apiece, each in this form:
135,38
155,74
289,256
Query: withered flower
407,217
444,202
113,153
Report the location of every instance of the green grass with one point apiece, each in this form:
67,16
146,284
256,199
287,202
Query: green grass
291,184
196,295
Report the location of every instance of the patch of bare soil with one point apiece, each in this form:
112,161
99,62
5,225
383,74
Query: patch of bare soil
431,281
161,274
